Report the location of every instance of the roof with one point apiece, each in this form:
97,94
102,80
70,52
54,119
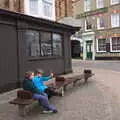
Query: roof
38,20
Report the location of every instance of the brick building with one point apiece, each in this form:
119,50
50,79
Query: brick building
63,8
100,28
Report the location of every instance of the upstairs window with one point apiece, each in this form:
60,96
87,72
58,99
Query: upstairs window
33,7
87,5
115,20
113,2
99,3
101,22
47,8
88,25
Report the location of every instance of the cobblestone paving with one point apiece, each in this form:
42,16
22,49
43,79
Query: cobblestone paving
92,101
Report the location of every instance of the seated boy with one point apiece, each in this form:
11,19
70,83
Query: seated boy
39,83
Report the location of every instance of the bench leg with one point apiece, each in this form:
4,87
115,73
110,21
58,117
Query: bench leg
74,83
85,78
64,87
22,110
62,91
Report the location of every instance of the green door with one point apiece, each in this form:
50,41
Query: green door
89,49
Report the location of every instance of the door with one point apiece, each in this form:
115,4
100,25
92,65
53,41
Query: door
89,49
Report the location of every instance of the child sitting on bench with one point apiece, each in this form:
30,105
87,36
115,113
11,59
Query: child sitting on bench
39,83
37,94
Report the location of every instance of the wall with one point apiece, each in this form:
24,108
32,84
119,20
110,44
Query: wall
8,54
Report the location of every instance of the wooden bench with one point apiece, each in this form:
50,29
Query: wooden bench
61,82
24,97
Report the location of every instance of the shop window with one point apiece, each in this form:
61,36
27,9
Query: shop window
41,43
57,44
32,43
46,44
101,45
115,44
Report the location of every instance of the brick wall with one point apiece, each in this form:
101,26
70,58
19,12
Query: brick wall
12,5
63,8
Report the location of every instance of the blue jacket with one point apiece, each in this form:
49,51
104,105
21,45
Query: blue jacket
39,82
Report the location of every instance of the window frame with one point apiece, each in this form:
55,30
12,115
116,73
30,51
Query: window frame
98,5
114,3
61,43
112,20
86,5
98,23
40,56
86,26
31,12
51,5
97,46
111,46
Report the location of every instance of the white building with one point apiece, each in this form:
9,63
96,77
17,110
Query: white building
40,8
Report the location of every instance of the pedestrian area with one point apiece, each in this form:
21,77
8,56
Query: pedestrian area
97,100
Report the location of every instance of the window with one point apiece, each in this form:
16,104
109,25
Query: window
100,22
39,43
87,5
115,44
47,8
115,2
115,20
32,43
33,7
40,8
57,44
101,45
99,3
46,44
88,25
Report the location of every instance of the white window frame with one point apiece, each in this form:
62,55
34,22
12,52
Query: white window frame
99,5
111,47
113,3
34,13
98,24
97,46
87,5
49,11
117,21
39,13
86,26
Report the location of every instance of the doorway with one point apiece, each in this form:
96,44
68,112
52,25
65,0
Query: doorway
89,52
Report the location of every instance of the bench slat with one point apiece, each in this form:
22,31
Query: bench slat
21,101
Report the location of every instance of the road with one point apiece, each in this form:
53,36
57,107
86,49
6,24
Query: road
110,65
